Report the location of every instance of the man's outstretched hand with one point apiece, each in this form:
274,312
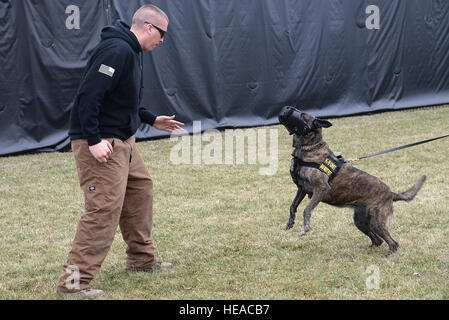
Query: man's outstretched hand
168,124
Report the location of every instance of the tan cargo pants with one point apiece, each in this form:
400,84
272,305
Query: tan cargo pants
116,193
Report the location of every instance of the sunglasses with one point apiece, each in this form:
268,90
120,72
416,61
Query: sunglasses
162,32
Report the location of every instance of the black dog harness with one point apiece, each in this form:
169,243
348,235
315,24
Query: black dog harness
330,166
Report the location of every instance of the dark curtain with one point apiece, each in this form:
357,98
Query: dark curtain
232,63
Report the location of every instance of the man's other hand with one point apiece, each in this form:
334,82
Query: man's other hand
101,151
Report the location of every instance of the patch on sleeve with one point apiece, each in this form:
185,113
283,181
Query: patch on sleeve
107,70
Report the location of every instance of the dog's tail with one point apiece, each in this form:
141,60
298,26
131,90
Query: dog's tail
410,193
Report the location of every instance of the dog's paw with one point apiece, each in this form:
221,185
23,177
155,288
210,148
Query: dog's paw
290,224
304,230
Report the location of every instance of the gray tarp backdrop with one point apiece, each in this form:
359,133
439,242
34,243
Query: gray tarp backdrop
228,63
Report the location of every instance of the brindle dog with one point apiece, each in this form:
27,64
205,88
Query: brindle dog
371,199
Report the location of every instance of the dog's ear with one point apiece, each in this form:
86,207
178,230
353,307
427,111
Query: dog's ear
319,123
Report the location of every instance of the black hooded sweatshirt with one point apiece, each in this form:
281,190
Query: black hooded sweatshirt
109,96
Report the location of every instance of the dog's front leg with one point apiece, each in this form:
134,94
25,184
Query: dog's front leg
318,195
298,198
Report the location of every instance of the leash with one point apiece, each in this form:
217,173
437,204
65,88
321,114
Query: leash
398,148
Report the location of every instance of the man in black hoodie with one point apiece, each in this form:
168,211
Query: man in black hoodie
118,190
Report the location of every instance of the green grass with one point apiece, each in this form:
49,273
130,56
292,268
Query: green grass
223,225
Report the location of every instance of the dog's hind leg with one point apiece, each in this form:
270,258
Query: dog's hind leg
379,223
361,221
298,198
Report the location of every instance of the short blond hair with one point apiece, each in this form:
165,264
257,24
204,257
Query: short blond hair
148,12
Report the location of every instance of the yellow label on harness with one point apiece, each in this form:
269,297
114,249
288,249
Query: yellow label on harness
325,169
330,164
